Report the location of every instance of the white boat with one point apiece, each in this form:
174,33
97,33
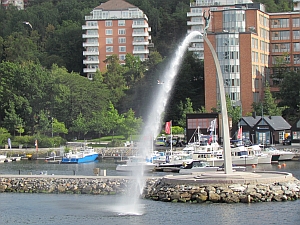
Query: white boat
134,163
240,157
199,167
2,158
263,158
177,159
212,154
283,155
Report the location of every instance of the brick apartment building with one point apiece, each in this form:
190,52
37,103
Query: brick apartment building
114,27
247,41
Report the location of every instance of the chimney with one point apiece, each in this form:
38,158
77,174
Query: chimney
254,115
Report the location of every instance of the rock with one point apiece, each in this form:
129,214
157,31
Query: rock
213,197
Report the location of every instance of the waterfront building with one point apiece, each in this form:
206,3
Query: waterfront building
249,42
114,27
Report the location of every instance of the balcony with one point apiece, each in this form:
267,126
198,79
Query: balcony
90,70
190,23
195,49
90,35
90,44
192,14
86,27
88,62
144,25
90,53
141,51
88,18
190,31
143,34
140,43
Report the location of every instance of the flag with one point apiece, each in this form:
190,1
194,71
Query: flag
240,134
9,143
212,126
210,139
168,127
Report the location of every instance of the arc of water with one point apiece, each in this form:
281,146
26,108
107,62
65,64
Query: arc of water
159,102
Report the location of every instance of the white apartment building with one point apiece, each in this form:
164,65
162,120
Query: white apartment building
18,3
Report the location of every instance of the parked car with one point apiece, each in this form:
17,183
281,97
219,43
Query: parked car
287,141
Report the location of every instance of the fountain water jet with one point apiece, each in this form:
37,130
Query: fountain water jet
153,124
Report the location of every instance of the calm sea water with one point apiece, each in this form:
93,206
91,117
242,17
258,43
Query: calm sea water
18,208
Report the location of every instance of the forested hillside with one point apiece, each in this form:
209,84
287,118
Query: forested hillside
33,92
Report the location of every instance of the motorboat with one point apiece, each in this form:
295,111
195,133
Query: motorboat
177,159
240,156
135,163
283,155
263,158
199,167
210,153
84,155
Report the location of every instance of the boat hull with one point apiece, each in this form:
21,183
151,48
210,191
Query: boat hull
245,161
130,168
85,159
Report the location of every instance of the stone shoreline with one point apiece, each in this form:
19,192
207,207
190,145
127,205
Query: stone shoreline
159,189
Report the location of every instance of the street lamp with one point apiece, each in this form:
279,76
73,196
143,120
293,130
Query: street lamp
52,126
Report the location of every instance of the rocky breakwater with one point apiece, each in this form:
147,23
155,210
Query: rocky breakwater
214,189
70,185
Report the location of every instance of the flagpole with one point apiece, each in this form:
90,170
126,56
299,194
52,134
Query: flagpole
171,137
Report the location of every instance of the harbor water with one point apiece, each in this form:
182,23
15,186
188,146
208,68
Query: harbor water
17,208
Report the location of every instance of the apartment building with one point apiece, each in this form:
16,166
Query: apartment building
285,39
196,21
240,37
18,3
114,27
249,42
296,5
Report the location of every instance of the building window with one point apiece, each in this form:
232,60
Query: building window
255,97
279,23
122,57
109,49
280,35
283,47
122,40
296,22
121,31
122,48
296,34
297,47
108,31
121,23
109,40
297,59
108,23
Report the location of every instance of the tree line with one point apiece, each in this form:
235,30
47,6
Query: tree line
42,89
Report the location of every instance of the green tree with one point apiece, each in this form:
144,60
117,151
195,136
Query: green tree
129,124
268,106
114,79
4,135
58,127
80,125
185,109
290,95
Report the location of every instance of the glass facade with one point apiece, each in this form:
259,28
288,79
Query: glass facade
234,21
227,49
